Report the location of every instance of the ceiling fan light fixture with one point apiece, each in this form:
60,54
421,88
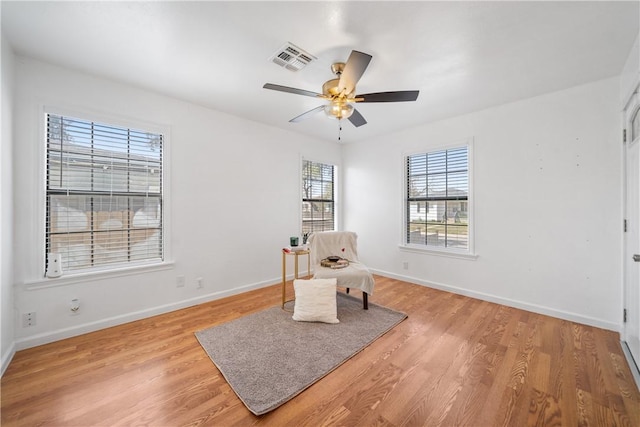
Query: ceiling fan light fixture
338,110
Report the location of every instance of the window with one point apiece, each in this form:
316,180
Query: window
318,203
437,199
104,196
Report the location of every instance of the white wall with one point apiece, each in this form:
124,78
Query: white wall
547,204
7,312
630,75
234,202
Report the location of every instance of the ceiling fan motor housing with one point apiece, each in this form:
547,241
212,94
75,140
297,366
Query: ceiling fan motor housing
330,89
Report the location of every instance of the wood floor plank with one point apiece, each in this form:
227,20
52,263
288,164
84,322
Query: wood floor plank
544,410
456,361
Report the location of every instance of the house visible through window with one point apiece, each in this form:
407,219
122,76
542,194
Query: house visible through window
437,199
318,204
104,196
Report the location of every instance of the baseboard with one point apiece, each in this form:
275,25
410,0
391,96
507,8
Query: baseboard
565,315
7,357
51,336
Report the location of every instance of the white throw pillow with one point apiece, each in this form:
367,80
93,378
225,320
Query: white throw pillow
315,301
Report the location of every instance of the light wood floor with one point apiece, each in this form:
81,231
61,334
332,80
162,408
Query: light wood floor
454,361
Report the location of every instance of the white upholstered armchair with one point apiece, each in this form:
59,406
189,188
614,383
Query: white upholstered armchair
345,245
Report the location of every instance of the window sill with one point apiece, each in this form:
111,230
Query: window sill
73,278
450,253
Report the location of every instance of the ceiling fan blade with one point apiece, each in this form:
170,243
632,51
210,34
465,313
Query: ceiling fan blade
353,69
356,119
307,114
405,95
291,90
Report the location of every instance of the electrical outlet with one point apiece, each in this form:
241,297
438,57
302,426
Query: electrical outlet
405,265
180,281
28,319
199,283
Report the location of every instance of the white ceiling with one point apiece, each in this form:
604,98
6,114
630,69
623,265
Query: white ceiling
462,56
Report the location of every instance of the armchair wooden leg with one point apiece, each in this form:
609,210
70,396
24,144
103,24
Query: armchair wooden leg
347,290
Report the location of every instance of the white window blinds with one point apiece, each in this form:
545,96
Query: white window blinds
103,194
437,199
318,204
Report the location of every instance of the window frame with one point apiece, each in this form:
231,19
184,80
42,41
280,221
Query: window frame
469,252
302,199
39,278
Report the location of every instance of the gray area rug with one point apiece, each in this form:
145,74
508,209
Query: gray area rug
268,358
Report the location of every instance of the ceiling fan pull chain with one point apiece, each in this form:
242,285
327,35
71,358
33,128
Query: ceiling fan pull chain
339,128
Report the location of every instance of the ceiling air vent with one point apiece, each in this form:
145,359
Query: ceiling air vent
292,57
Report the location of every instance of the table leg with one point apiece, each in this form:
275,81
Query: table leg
284,277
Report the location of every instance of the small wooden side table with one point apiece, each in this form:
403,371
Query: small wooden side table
306,252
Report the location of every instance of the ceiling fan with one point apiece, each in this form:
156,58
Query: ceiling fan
341,91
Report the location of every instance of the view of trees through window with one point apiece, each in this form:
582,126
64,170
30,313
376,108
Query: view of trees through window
437,199
104,193
318,204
